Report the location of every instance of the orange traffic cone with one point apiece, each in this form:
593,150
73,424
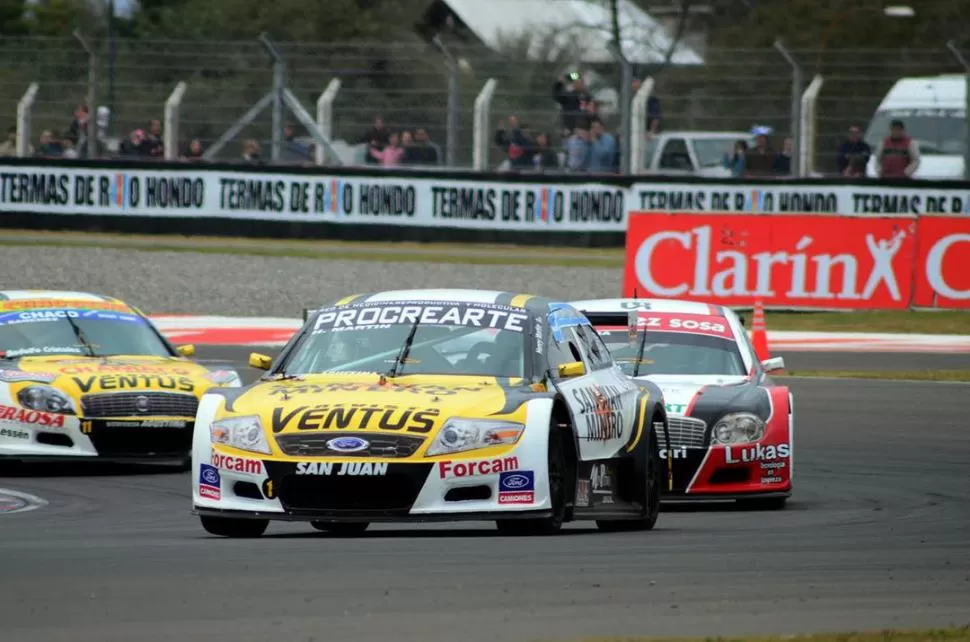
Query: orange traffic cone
759,333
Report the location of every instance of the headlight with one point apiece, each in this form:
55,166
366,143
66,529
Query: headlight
46,399
459,435
739,428
245,433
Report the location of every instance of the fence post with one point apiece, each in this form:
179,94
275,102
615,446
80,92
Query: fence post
626,98
279,86
797,82
806,132
173,107
25,110
480,134
325,117
454,102
92,142
952,46
638,125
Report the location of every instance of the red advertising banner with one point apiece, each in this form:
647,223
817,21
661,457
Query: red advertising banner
942,262
794,261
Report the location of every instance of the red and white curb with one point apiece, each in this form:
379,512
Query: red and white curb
275,331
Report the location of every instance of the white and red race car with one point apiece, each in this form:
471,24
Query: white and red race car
731,426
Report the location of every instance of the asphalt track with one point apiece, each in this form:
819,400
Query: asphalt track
877,536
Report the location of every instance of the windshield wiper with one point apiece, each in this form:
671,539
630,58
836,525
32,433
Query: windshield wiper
640,348
402,355
79,333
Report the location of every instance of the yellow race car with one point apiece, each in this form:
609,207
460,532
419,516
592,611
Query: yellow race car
88,376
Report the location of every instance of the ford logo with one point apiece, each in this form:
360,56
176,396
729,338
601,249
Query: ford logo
348,444
210,476
515,481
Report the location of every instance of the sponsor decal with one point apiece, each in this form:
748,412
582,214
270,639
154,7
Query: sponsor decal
801,261
87,427
33,417
773,465
14,434
601,410
210,482
61,304
771,480
135,381
236,464
758,452
516,487
86,367
358,469
221,377
702,324
430,390
582,492
348,444
942,271
458,314
675,408
601,479
562,316
355,417
451,469
27,352
16,376
677,452
146,424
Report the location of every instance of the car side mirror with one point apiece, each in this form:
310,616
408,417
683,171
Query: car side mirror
260,361
185,350
775,364
573,369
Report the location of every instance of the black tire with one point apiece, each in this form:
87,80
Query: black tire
766,503
342,529
651,494
556,470
234,527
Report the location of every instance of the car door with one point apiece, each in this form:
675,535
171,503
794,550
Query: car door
600,399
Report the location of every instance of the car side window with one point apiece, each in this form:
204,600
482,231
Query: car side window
565,350
596,353
675,155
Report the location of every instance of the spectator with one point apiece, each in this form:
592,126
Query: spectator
570,92
853,146
423,151
898,155
407,140
293,150
194,151
67,148
50,146
603,147
760,161
77,132
9,147
578,151
392,154
736,162
544,157
376,138
154,146
653,110
783,160
857,166
133,146
251,152
517,145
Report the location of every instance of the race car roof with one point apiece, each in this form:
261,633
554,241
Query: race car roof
60,295
656,305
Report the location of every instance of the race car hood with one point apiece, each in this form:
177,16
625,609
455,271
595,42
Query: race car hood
681,391
416,405
77,375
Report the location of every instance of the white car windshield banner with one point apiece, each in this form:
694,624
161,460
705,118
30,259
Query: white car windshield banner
424,313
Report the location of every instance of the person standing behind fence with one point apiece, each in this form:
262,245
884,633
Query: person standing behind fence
850,148
898,154
578,151
760,160
602,149
570,92
736,161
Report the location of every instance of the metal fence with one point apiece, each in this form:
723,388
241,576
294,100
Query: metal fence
416,85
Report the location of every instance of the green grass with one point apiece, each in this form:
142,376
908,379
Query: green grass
891,321
910,375
930,635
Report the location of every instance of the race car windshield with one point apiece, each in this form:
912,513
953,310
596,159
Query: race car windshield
450,339
60,331
673,353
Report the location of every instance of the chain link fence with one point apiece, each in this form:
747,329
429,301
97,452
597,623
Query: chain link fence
407,84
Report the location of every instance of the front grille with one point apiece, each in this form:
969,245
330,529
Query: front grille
393,493
315,445
685,431
139,404
138,441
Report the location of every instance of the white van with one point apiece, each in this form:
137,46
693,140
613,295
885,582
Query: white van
933,109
